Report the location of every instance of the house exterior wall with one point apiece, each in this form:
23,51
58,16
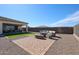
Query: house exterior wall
76,30
11,28
1,30
23,27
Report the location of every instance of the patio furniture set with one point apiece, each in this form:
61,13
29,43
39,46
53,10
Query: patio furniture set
45,34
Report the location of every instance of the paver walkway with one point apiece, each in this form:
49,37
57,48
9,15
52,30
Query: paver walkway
9,48
67,45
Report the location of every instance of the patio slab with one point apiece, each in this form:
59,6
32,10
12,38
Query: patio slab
34,46
67,45
9,48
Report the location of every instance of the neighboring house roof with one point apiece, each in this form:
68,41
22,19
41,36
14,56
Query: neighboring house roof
12,20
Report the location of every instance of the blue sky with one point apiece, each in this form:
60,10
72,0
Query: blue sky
42,14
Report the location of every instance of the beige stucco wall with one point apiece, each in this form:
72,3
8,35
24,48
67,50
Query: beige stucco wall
76,30
23,26
1,31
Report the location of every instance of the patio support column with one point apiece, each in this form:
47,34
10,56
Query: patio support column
27,28
1,30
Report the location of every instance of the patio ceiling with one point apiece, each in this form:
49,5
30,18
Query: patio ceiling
11,21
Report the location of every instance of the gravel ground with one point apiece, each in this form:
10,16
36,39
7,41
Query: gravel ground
67,45
9,48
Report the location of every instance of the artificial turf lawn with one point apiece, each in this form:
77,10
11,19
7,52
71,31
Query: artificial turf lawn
12,36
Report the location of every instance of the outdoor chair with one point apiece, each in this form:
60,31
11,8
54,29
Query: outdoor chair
39,36
51,34
44,33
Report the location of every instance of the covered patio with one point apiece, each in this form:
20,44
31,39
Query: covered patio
8,25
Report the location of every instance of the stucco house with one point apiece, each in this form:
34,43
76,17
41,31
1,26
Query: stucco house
8,25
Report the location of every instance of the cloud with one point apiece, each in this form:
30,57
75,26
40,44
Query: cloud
73,18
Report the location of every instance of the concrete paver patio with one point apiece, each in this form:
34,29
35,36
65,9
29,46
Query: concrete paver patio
33,45
67,45
9,48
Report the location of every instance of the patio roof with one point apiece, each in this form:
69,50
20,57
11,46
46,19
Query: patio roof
11,20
